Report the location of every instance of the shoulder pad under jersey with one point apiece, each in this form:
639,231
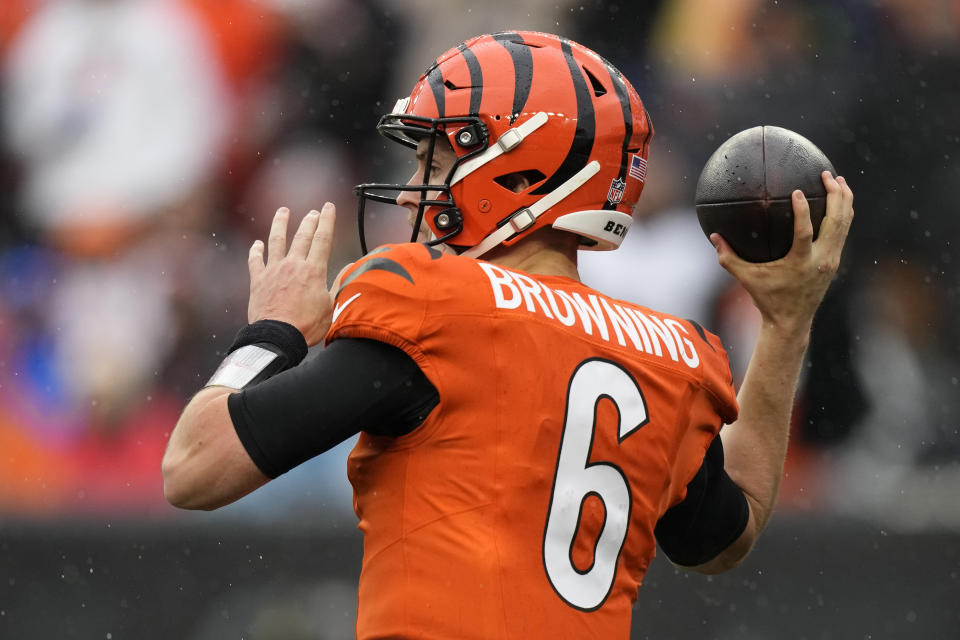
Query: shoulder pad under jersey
384,293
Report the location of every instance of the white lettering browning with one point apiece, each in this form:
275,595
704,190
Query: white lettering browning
642,330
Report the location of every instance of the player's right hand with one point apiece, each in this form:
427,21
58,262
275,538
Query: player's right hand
788,291
291,285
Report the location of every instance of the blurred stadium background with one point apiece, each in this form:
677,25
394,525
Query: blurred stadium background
146,143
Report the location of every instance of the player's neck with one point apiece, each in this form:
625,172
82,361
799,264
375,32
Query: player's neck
545,252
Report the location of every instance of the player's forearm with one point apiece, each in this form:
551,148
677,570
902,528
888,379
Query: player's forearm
756,444
205,466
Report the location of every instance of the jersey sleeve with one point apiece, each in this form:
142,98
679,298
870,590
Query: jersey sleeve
714,405
383,297
717,376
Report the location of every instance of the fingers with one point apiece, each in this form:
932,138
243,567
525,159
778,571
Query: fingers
300,245
277,241
322,239
839,213
255,260
802,225
312,241
726,256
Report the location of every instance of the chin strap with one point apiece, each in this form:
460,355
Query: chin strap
524,218
506,142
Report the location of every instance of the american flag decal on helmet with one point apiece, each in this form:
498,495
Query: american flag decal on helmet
638,168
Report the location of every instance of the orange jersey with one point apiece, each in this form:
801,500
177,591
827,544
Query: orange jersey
524,506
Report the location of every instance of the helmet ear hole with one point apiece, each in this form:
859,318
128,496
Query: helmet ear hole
520,180
598,88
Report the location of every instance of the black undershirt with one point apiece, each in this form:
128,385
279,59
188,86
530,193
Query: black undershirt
352,385
355,384
711,516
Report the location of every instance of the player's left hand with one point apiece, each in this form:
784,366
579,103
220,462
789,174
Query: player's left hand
291,285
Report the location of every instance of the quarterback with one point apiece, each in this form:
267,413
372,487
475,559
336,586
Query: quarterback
525,442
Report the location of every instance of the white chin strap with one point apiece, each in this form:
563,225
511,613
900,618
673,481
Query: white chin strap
524,219
506,142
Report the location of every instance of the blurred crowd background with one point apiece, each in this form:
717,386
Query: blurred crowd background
146,143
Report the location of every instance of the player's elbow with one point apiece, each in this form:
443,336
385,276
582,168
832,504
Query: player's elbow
184,498
175,491
194,463
730,558
179,488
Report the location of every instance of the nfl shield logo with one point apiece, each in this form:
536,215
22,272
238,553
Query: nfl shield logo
615,194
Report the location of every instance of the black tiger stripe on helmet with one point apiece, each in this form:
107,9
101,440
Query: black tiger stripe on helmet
522,69
476,79
620,88
435,80
579,153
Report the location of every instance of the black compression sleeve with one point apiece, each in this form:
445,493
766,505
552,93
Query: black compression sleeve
712,515
352,385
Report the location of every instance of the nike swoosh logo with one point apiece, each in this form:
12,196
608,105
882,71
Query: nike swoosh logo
338,308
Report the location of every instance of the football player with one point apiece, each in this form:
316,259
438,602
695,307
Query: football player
525,441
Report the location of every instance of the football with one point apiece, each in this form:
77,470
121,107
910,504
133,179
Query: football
744,190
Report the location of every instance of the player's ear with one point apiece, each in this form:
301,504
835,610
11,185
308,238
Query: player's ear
518,181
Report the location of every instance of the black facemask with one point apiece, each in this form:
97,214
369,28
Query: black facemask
409,130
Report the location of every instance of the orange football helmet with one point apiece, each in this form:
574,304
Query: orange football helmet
522,105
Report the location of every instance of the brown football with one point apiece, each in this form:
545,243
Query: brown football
744,190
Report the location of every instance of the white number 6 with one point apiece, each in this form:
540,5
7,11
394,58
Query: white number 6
576,479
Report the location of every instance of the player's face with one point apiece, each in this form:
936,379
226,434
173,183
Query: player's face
440,166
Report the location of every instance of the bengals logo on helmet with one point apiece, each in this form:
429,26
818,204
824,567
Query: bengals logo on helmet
541,127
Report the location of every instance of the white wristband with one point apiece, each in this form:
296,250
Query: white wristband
240,367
